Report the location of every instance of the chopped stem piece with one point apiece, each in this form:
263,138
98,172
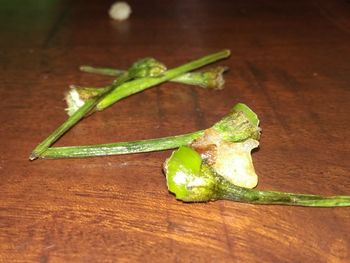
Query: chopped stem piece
138,69
102,71
240,194
233,127
192,180
119,148
210,78
141,68
69,123
138,85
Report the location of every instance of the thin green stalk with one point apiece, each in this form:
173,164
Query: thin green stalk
141,68
121,147
138,85
102,71
191,179
88,106
126,89
236,126
240,194
211,78
70,122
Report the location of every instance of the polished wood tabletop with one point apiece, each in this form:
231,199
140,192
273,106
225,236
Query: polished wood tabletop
290,63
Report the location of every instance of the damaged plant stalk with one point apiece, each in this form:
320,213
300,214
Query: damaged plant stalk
122,88
141,84
191,179
211,78
241,123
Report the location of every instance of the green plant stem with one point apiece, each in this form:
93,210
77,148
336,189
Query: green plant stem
140,146
191,179
88,106
211,78
126,89
102,71
138,85
234,127
240,194
70,122
194,78
201,79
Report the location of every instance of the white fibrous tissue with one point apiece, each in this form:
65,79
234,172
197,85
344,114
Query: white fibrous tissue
74,101
232,160
120,11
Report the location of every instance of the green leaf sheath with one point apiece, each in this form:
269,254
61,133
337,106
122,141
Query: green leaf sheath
121,147
235,193
138,85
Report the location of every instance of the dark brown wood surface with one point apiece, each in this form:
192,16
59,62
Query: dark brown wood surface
290,63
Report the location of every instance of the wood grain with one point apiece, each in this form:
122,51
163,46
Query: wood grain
290,62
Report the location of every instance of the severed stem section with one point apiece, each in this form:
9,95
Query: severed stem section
147,69
210,78
236,126
235,193
119,148
192,180
141,84
102,71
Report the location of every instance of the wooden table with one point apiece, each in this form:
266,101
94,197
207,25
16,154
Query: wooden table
290,63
